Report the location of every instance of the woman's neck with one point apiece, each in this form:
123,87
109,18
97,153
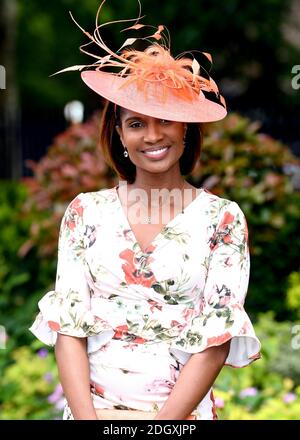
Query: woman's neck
159,181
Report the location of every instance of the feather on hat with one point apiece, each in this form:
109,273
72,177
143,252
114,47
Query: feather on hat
151,81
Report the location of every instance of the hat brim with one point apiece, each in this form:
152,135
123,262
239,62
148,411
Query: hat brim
118,90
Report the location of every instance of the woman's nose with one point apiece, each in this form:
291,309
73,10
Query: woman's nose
153,133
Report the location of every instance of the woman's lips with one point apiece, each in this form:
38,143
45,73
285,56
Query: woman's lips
158,153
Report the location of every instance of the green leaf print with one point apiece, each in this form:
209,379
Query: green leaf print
132,327
170,233
158,288
170,300
194,338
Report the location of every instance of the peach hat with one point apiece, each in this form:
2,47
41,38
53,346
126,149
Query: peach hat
152,82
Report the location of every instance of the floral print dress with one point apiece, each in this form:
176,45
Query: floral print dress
145,312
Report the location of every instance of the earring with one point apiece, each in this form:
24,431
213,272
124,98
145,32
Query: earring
125,152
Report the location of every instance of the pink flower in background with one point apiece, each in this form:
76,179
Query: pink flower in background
56,395
42,353
60,404
219,402
48,377
248,392
289,397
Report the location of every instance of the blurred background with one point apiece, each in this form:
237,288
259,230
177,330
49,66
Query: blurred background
50,153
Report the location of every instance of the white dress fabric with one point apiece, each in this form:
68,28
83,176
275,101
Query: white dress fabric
145,312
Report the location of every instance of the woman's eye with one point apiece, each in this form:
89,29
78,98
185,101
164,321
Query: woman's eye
135,125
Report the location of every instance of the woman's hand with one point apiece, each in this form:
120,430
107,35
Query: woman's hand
194,382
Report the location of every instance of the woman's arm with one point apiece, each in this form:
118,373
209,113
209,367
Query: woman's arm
194,382
73,370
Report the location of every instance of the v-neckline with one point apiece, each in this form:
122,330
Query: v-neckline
164,228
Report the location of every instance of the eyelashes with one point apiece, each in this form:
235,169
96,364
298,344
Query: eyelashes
139,124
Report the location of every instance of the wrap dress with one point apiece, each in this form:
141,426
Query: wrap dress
145,312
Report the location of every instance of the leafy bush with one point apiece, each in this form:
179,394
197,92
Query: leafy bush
237,163
241,164
269,388
29,386
73,164
293,293
21,279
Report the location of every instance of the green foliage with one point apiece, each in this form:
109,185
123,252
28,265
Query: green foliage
286,363
241,164
48,41
293,293
19,277
237,163
265,390
27,384
72,165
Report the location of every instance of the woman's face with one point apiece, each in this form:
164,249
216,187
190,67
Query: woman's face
154,145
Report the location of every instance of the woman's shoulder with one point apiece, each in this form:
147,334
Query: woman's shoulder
219,205
215,199
98,197
90,203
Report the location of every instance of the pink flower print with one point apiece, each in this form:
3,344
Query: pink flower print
133,272
160,386
188,314
218,340
76,210
224,301
222,234
154,305
226,221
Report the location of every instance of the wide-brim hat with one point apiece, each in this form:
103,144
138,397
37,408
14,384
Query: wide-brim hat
151,103
152,82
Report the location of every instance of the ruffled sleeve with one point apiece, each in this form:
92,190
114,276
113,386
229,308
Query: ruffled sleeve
67,308
221,315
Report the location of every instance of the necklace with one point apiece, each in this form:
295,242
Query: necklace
182,206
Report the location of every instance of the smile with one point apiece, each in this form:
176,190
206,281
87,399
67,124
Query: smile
156,153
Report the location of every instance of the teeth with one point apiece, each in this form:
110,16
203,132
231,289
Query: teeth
156,152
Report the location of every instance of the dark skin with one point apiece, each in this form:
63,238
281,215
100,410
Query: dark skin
139,133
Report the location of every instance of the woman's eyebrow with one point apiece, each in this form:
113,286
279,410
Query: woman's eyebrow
133,118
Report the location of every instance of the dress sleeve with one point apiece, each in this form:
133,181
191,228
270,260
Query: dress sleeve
67,308
221,316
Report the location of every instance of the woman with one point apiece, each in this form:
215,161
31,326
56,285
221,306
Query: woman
152,274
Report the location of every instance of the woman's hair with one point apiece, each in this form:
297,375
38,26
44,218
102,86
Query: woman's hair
113,149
